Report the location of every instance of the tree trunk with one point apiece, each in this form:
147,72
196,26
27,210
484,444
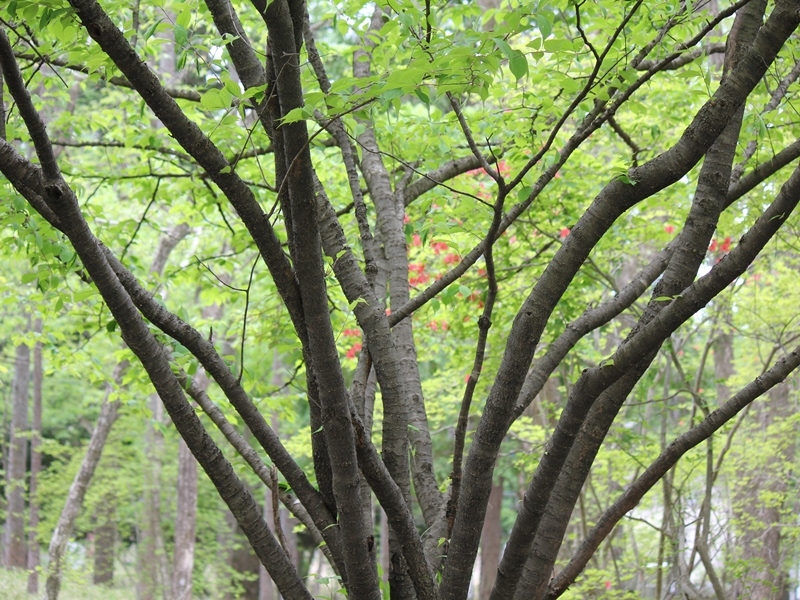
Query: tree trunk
491,538
15,550
244,566
77,491
105,535
36,466
155,580
266,588
185,520
760,501
150,545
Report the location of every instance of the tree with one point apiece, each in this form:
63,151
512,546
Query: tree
460,137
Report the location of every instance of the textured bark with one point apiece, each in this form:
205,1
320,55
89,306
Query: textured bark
150,549
283,21
244,566
105,537
36,465
253,74
15,549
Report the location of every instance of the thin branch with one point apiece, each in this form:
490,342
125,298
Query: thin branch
635,148
685,58
484,323
666,460
33,121
775,99
276,513
178,93
141,219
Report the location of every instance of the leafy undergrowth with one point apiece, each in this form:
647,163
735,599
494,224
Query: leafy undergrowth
14,584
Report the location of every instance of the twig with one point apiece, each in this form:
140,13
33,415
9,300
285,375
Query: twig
276,511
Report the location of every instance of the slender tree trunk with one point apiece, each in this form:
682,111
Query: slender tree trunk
384,554
77,491
105,535
154,580
244,566
491,539
760,502
266,588
36,466
185,520
150,545
15,550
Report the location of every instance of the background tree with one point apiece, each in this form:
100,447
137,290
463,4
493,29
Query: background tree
547,204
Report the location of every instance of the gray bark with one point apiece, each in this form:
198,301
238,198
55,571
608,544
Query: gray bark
15,548
36,466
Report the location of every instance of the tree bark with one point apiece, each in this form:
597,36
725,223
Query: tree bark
105,535
185,520
15,548
36,466
150,539
244,567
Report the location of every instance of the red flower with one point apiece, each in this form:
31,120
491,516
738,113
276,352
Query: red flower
669,228
439,246
451,258
564,232
725,246
355,349
421,278
713,247
416,240
352,333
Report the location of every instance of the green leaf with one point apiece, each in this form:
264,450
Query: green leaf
215,99
518,65
544,25
151,30
181,35
294,115
504,47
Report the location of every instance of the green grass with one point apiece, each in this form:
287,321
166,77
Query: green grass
14,585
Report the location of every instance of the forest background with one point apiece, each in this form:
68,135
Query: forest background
449,300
